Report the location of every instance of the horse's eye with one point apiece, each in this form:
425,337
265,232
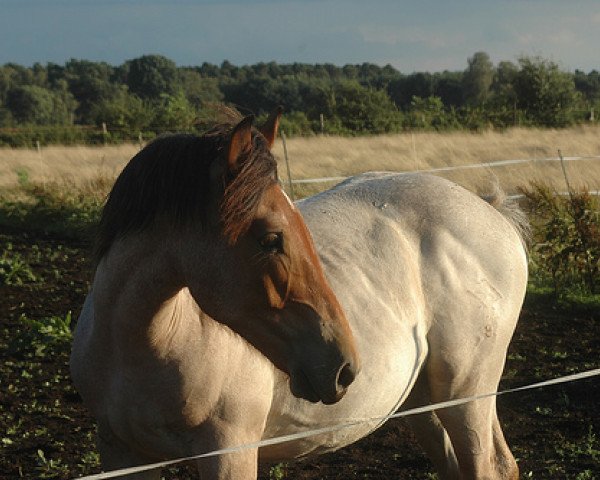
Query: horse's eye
272,242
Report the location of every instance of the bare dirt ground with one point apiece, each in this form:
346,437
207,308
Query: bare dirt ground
46,432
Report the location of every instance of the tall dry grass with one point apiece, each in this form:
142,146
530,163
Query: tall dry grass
73,167
337,156
341,156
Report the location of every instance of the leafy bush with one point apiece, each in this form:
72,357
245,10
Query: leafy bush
430,114
567,231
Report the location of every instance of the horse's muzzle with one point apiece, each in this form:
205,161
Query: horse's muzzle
316,390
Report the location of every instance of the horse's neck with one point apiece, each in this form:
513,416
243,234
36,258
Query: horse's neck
136,289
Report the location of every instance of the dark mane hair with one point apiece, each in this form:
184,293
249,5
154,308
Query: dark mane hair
170,179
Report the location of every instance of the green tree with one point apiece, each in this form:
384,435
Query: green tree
361,109
199,91
6,118
31,104
65,104
503,85
150,76
502,105
39,75
124,111
477,79
90,83
175,113
257,94
19,75
589,87
5,82
588,84
545,93
448,86
403,89
12,75
292,93
429,113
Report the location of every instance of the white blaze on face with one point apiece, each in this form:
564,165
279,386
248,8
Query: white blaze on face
287,198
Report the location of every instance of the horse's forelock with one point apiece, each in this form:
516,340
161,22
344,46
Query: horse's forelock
244,191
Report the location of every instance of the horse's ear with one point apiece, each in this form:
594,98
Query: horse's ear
240,144
269,128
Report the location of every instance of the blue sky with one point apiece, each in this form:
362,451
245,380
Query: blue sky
426,35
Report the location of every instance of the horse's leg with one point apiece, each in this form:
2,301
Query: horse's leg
477,439
114,455
430,432
505,461
219,435
241,465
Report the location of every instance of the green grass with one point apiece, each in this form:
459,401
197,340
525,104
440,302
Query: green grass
61,209
570,298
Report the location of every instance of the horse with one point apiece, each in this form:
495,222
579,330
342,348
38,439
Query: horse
221,313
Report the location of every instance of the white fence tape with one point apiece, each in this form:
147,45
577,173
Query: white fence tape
518,196
311,433
499,163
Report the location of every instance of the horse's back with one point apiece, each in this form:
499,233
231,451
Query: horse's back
427,242
435,216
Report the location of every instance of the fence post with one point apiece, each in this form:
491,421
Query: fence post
38,147
287,165
414,148
104,132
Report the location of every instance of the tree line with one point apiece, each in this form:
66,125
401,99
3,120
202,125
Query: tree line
151,94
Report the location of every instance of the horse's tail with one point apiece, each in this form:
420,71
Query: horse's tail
510,209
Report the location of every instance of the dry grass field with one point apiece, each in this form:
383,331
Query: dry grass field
310,157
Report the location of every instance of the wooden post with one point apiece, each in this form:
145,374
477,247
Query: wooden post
104,132
322,120
414,148
38,147
564,170
592,115
287,165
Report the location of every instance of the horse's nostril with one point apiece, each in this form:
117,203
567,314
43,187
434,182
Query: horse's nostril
346,376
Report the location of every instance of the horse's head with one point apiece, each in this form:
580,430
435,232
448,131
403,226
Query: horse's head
266,281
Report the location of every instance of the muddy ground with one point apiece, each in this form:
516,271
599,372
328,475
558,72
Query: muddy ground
46,432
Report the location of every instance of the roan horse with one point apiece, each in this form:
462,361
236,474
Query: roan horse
212,321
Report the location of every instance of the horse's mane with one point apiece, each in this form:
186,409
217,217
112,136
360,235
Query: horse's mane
170,179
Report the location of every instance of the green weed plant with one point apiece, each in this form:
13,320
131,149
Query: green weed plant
14,269
566,250
42,337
